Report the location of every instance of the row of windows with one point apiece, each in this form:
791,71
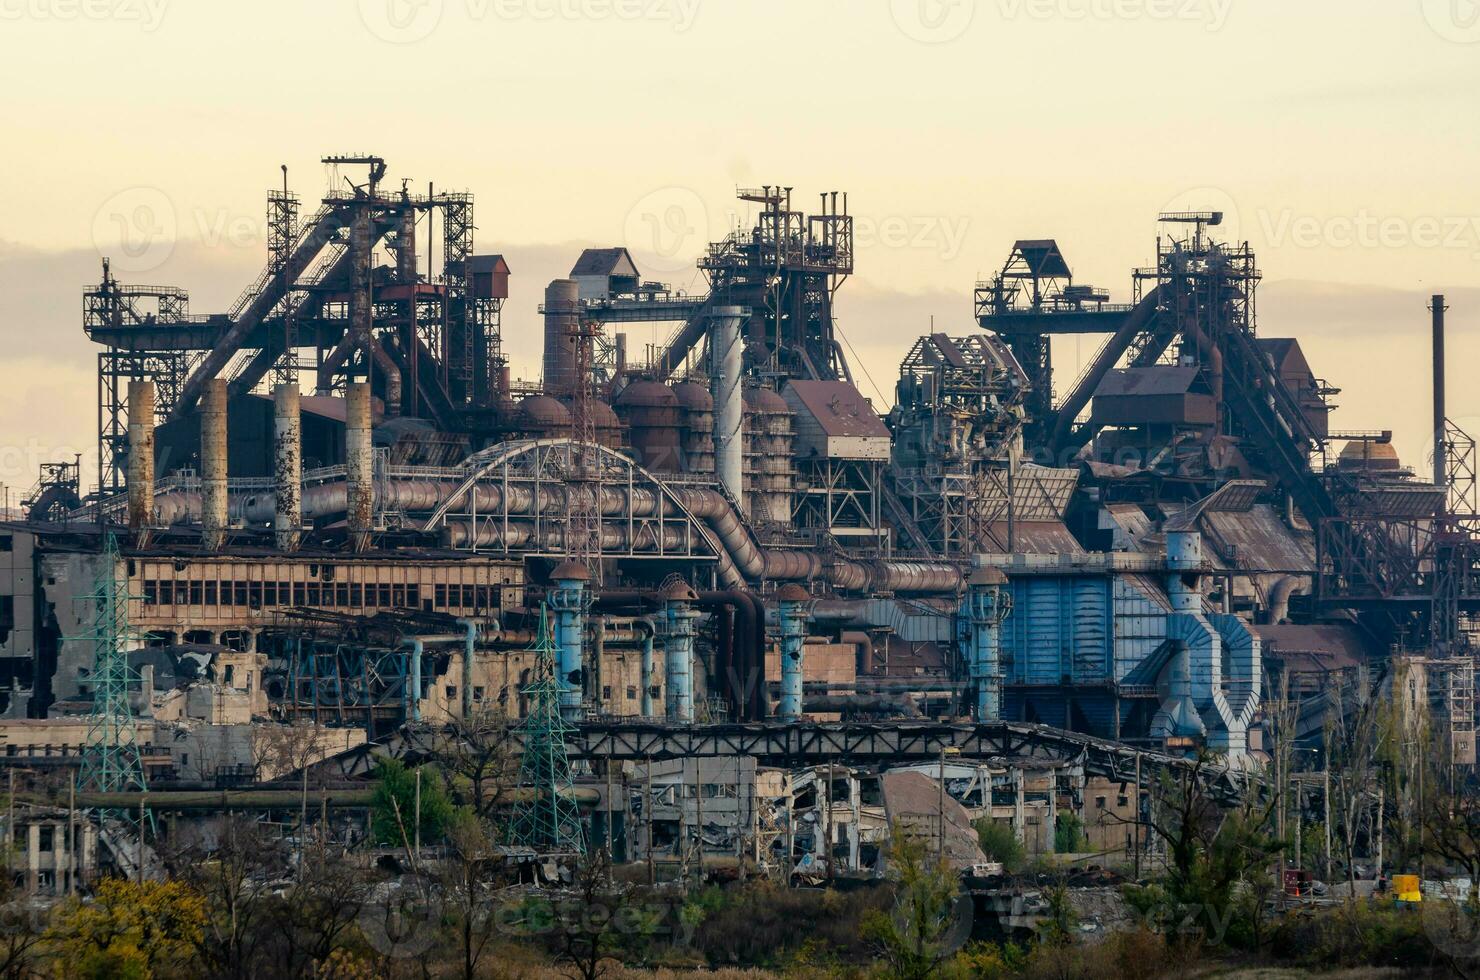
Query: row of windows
328,595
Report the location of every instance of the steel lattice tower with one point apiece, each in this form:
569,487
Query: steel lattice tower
111,762
548,820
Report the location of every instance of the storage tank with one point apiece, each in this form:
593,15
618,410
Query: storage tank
768,456
542,417
608,427
653,417
696,426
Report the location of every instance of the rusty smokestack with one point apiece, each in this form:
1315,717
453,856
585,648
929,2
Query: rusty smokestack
140,455
213,464
562,312
406,247
1441,447
287,467
359,459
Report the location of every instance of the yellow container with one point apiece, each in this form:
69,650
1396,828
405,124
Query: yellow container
1406,888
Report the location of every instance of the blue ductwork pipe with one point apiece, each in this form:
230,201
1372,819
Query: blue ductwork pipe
679,645
793,599
568,601
411,692
987,605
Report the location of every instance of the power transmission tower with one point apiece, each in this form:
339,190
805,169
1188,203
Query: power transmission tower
547,820
111,761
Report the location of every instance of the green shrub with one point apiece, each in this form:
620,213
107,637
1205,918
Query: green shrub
999,843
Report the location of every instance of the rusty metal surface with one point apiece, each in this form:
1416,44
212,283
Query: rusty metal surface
287,467
359,460
140,454
839,409
213,463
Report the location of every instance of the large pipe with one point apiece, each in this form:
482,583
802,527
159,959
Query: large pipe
562,314
140,455
742,557
287,467
413,678
648,665
793,599
725,367
359,465
470,644
568,601
213,464
1441,448
679,648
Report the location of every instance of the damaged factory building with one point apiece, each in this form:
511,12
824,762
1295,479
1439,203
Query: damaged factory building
778,616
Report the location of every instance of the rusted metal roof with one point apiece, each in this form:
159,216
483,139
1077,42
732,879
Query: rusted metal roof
1042,255
1158,380
1258,540
604,262
839,409
1035,538
1314,648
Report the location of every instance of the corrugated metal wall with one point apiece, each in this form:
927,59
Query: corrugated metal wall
1080,629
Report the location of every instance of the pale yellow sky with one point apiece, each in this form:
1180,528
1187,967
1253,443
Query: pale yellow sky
1339,136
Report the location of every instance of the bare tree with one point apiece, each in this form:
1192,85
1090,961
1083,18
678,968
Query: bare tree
317,913
480,757
466,879
1354,738
233,876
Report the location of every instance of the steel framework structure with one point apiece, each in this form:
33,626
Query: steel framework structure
547,820
111,760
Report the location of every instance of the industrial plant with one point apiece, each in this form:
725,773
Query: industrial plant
732,612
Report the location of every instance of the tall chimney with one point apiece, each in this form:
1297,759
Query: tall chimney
562,310
140,455
1441,447
213,464
406,247
725,354
287,467
359,459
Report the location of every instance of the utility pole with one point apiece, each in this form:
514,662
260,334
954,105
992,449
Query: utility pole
609,808
647,810
1326,802
940,810
72,834
698,822
1136,860
418,814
